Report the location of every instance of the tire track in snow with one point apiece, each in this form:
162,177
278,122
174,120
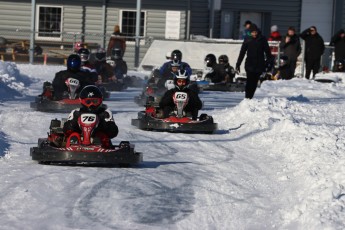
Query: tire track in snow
135,198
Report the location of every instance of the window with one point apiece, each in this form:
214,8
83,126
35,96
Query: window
128,24
48,22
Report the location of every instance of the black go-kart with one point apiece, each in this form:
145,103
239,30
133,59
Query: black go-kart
179,121
46,103
82,148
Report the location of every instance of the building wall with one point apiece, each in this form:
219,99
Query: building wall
85,16
199,17
281,13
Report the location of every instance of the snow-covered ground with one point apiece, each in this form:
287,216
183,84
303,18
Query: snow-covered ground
276,162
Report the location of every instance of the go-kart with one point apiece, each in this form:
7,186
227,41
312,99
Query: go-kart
178,121
237,86
152,93
82,148
46,103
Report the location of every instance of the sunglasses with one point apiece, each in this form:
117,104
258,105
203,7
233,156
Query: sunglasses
91,101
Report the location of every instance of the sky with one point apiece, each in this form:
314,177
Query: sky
275,162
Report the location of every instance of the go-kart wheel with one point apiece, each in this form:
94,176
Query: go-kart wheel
203,117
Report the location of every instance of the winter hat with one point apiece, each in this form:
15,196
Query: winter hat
253,27
116,28
247,22
274,28
292,28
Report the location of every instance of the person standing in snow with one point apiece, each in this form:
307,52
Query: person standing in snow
291,47
259,59
338,41
274,36
116,41
314,48
246,32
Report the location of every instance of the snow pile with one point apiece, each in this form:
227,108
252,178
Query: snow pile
12,83
308,138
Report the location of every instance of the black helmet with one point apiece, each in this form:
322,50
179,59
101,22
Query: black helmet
176,55
91,97
116,53
101,54
84,54
223,59
210,60
181,77
73,62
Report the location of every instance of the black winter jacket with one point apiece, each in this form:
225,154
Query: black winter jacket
217,74
106,124
292,49
339,45
314,45
59,85
258,54
194,101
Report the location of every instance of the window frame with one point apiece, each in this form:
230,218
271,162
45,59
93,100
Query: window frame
142,41
47,38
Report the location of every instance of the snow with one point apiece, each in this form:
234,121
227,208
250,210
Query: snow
276,162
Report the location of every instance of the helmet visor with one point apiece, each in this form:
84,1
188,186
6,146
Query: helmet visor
91,101
181,81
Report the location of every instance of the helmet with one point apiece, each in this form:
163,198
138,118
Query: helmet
100,54
223,59
116,53
78,45
181,79
73,62
210,60
176,55
91,97
84,54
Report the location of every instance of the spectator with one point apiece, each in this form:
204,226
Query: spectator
246,32
259,59
291,47
314,48
338,41
274,36
117,41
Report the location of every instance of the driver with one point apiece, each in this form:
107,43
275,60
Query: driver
181,81
73,71
91,99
